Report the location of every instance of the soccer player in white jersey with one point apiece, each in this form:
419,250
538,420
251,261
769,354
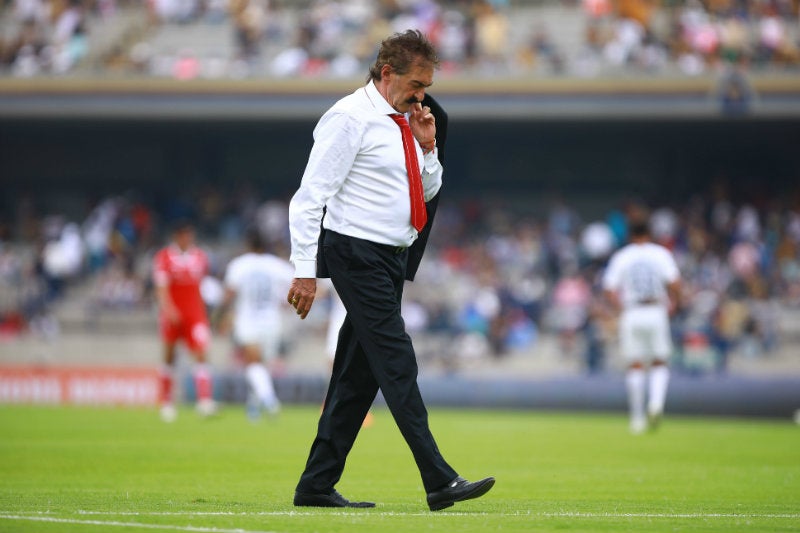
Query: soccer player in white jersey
642,281
254,282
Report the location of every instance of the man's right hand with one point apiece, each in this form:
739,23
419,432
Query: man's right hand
301,295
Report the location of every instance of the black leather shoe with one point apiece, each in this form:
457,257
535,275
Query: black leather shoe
334,499
458,490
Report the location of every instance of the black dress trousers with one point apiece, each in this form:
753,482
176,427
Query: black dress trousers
373,352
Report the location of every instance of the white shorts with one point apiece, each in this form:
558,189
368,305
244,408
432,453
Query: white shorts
644,333
267,337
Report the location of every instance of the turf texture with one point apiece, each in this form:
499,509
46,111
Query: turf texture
105,470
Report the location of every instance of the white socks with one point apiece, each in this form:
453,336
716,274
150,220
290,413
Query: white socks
202,382
657,384
261,384
659,379
635,383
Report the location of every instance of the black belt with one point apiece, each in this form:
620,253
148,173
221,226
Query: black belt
396,250
647,301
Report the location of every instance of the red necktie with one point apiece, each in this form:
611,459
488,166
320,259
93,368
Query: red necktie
419,216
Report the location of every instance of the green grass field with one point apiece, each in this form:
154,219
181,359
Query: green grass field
98,470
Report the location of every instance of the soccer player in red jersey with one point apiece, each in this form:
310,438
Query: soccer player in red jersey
178,270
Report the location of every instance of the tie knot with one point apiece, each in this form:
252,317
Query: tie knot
399,118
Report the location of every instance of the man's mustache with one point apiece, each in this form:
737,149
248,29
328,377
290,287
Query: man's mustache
413,100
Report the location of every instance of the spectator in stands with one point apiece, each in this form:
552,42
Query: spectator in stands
333,39
571,301
62,259
491,37
723,313
249,23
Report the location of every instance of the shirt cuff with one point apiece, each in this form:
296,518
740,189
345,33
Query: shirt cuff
431,158
305,268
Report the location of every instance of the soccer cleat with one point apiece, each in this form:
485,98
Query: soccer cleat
273,409
253,407
638,425
168,413
654,420
206,407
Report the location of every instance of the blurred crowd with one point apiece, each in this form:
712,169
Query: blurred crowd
330,38
506,277
495,278
45,37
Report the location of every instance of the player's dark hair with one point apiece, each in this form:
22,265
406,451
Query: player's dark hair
255,241
639,228
182,224
401,51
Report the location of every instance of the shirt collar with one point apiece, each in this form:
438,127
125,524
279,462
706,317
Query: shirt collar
379,103
176,249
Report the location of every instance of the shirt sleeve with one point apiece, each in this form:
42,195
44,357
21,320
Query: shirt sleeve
231,278
671,271
611,275
431,174
161,276
337,140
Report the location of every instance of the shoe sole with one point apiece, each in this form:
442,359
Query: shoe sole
477,492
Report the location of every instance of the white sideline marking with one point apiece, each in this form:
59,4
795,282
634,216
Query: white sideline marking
127,524
363,512
31,515
667,515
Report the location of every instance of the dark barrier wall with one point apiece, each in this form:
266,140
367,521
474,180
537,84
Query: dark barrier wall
62,160
712,395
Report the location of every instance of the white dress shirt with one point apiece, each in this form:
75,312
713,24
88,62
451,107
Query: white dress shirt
357,169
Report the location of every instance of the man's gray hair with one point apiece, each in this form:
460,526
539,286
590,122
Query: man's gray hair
401,51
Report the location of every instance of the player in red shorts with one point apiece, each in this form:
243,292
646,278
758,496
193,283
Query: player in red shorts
178,270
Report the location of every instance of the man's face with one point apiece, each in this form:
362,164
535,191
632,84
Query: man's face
184,238
403,90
